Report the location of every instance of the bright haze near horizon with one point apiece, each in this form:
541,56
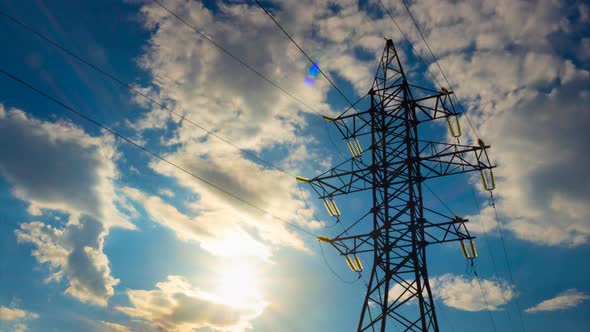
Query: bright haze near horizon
97,235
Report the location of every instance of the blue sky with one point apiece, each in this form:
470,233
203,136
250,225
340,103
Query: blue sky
97,235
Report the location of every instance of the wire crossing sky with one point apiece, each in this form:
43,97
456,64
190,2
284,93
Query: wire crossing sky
103,236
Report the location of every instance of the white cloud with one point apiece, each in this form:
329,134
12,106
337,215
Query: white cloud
16,314
566,300
465,294
459,292
75,253
166,192
15,318
20,327
57,166
225,238
177,306
267,189
116,327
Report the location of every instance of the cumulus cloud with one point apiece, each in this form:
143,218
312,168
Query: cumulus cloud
57,166
459,292
16,318
566,300
16,314
74,253
116,327
267,189
465,294
178,306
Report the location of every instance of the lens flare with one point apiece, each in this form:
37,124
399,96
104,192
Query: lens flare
312,74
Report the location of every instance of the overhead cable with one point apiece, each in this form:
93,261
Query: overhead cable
133,89
150,152
500,230
485,300
440,68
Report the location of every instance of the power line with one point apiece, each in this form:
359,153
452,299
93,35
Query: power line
148,151
352,105
160,104
484,297
485,233
493,204
131,88
409,42
472,263
305,54
476,134
350,282
427,67
439,67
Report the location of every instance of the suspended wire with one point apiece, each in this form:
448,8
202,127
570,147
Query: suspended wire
131,88
305,54
494,266
485,234
485,300
333,143
369,307
438,198
242,62
182,117
445,318
501,232
489,250
440,68
138,92
470,124
472,262
330,135
302,196
350,282
148,151
409,42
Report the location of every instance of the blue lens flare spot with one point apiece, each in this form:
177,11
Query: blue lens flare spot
312,74
314,70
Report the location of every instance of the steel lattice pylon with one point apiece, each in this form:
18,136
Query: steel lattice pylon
398,165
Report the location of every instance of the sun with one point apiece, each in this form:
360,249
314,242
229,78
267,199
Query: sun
238,285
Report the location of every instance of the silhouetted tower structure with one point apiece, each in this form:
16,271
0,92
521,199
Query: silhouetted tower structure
392,168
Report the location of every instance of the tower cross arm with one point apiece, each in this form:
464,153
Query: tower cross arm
433,105
441,159
351,176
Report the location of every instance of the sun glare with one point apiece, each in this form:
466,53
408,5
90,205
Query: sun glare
239,285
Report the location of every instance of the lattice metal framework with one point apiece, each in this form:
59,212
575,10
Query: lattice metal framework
392,168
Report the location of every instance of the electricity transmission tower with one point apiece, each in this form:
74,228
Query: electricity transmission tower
397,229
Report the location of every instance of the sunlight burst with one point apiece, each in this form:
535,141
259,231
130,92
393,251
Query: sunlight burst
239,285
